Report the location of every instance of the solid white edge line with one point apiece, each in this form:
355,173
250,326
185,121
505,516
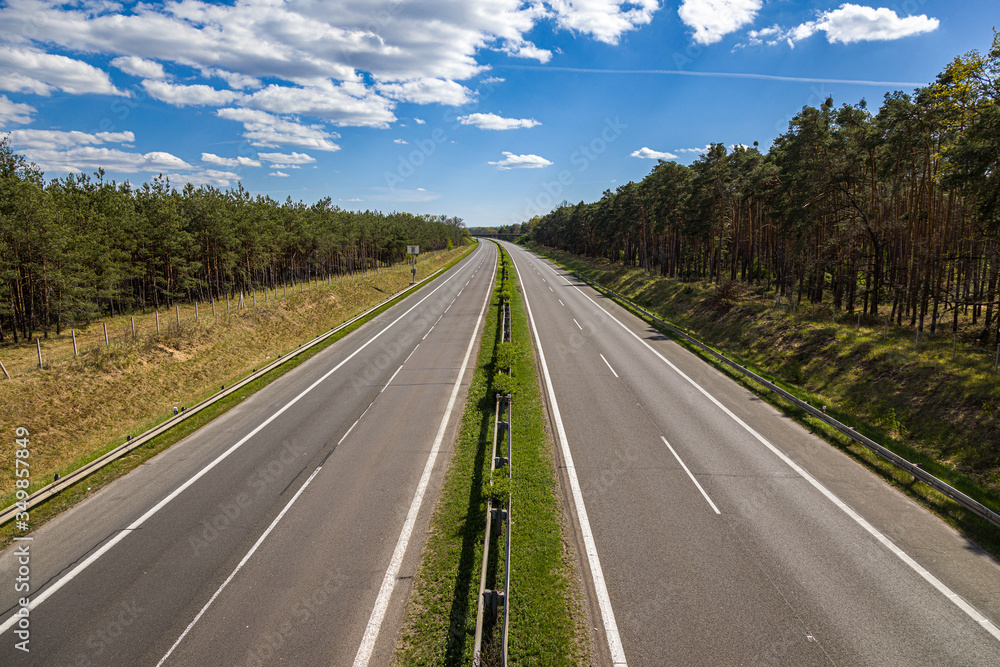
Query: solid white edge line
253,549
577,324
374,626
69,576
703,492
609,365
596,573
969,610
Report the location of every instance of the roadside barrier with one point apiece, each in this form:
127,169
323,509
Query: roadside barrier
497,601
131,443
943,487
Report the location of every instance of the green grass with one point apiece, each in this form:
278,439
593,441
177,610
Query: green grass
919,404
545,614
94,482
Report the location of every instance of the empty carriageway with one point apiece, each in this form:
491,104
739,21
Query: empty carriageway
286,529
714,530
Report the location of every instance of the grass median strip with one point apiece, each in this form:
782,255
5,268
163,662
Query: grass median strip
363,297
545,614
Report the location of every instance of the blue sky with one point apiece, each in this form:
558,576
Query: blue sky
489,110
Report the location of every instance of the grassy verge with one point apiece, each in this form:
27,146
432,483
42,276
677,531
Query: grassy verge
91,397
545,614
930,410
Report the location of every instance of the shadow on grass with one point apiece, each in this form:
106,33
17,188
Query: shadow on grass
466,576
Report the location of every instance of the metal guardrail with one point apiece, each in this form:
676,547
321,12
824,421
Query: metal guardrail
495,600
131,443
941,486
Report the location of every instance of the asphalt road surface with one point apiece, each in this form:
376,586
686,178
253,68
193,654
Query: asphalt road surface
713,530
288,530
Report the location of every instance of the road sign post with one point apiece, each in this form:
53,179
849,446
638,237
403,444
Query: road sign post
413,251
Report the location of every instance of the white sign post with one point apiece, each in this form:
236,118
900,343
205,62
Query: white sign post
413,250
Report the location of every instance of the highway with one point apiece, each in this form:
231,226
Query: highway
713,530
285,531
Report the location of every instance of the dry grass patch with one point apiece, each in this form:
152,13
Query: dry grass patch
76,408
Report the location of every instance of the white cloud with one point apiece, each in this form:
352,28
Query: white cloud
854,23
525,49
140,67
346,104
32,71
194,95
269,131
769,36
211,158
492,79
14,113
426,91
491,121
352,199
278,174
234,79
287,158
714,19
57,139
420,121
75,152
604,20
849,24
306,43
400,141
219,179
91,158
698,151
298,61
650,154
529,161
